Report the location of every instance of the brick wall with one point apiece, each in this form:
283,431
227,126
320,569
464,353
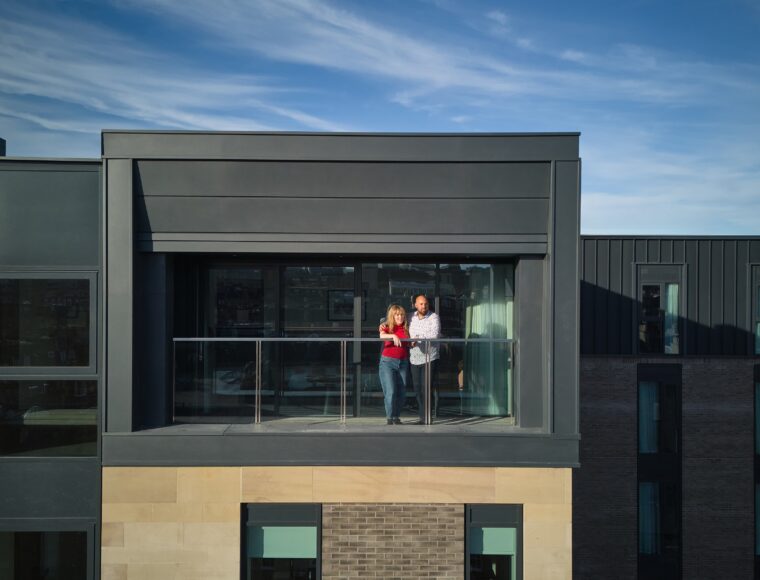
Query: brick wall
717,468
392,541
605,540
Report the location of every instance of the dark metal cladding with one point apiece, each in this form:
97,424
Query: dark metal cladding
718,275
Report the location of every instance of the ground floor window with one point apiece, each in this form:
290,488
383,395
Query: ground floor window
38,555
494,542
281,541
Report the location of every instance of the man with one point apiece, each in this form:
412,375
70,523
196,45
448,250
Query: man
424,324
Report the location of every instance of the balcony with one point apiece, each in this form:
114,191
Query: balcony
242,385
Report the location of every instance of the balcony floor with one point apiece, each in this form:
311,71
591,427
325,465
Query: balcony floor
332,424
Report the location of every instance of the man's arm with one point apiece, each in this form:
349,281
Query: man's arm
435,326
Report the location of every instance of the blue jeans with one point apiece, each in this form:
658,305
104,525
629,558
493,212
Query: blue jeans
394,377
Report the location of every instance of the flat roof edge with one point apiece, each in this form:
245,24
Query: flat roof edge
671,237
52,159
345,133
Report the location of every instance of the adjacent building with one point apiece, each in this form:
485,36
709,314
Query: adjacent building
189,357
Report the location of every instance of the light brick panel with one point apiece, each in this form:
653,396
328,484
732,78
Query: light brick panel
392,541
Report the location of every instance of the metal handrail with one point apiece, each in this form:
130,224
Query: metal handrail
333,339
427,391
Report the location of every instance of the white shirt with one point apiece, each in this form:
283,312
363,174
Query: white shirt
427,327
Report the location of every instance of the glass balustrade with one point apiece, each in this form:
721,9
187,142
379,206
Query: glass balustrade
257,380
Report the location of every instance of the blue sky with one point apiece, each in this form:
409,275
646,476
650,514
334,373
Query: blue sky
666,94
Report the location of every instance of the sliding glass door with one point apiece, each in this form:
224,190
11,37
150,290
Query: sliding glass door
302,310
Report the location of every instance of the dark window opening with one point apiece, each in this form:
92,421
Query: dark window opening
660,296
43,555
45,322
48,418
659,471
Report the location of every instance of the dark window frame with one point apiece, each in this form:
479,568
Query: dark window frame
494,516
56,526
661,468
754,307
44,371
645,274
279,514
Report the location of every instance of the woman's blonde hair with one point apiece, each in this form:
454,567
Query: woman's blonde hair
390,317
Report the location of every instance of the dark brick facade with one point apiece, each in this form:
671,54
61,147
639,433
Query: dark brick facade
717,468
392,541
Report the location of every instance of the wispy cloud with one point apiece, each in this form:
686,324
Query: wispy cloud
641,187
325,35
103,73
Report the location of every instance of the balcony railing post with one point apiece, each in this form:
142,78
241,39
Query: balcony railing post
343,379
257,418
426,391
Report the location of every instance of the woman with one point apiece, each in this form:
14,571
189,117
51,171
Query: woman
394,362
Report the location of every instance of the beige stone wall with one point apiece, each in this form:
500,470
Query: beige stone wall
184,522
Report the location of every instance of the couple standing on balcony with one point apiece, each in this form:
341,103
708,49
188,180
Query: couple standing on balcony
402,361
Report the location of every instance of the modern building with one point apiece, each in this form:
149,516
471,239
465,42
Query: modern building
190,357
189,361
670,385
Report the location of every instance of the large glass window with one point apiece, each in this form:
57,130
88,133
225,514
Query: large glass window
281,541
46,322
309,304
48,417
43,555
494,542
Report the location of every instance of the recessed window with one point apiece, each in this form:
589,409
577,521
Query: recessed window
659,471
46,321
658,417
43,555
48,418
757,317
494,542
281,541
660,296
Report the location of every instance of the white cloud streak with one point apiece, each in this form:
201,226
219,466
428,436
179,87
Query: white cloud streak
104,74
326,36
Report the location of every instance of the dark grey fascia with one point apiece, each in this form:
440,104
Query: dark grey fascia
340,146
529,450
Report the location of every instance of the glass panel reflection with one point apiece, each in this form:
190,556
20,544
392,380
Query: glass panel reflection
48,418
44,322
477,301
242,301
214,381
43,555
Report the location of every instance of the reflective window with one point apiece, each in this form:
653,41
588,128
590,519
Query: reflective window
494,542
48,418
44,322
43,555
659,520
281,541
659,319
757,320
658,417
